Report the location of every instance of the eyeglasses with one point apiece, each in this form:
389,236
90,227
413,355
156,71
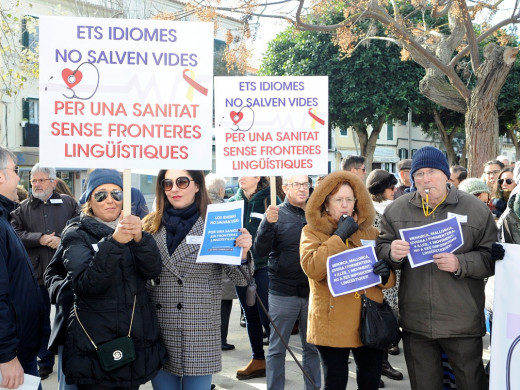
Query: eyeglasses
181,182
100,196
341,200
421,175
297,186
508,181
39,181
489,173
16,169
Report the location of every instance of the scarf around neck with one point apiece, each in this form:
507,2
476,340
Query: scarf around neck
178,223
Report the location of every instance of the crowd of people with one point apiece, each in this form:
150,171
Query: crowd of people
132,305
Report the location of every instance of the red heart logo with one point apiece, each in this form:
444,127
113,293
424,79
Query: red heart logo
236,116
71,77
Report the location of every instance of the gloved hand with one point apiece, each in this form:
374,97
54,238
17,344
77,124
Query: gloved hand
346,227
382,269
497,252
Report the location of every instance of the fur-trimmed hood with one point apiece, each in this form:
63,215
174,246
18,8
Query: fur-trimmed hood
318,218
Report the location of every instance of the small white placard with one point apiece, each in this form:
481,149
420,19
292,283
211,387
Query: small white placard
30,382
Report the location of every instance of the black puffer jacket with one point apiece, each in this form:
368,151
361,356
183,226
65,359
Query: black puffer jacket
254,210
281,241
105,276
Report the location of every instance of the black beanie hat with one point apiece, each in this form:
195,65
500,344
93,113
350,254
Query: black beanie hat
429,157
379,180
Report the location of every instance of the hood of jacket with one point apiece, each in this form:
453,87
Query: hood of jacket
319,219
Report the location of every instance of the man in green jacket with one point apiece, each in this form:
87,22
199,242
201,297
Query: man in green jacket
441,303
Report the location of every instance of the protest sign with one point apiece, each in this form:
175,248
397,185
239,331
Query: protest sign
220,232
125,93
351,270
505,340
438,237
271,125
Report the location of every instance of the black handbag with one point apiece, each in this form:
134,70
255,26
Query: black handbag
114,353
379,327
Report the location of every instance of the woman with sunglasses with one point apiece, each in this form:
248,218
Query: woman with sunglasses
187,294
501,191
108,259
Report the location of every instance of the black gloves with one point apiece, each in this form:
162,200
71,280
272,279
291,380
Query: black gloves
346,227
497,252
382,269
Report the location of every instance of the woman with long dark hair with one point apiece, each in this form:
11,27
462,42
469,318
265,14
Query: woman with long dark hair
501,191
187,294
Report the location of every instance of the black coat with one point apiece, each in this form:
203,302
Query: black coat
34,218
281,241
21,306
105,276
60,294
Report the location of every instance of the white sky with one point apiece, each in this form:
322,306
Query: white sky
267,32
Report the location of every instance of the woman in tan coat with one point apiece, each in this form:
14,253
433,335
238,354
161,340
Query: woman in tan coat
339,216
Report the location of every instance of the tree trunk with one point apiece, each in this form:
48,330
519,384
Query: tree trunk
463,158
367,144
482,117
447,139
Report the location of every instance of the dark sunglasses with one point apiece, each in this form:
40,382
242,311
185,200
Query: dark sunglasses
181,182
100,196
508,181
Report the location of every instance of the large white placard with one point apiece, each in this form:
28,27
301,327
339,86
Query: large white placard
123,93
271,125
505,339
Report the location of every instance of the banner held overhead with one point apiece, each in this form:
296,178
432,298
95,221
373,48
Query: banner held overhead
125,93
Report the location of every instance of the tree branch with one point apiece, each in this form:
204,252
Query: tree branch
461,54
470,35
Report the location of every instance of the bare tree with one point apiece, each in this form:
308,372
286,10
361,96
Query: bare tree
442,50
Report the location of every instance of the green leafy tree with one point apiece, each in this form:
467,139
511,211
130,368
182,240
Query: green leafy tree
509,107
369,88
443,124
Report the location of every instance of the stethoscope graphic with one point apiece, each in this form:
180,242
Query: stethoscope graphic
72,80
508,363
237,118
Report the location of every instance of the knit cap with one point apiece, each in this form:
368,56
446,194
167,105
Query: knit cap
404,164
429,157
379,180
473,186
102,176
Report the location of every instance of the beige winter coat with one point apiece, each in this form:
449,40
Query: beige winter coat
335,322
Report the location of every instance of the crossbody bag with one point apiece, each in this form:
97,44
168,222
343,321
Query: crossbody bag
114,353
